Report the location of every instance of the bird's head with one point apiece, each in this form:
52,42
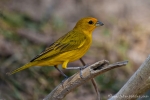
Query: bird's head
88,24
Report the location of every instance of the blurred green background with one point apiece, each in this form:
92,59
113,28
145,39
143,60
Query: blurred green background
28,26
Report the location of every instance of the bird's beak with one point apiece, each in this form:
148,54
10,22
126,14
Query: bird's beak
98,23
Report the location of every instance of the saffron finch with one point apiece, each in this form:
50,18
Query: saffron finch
70,47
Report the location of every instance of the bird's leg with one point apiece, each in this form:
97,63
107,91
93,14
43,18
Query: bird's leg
93,81
80,68
83,63
66,77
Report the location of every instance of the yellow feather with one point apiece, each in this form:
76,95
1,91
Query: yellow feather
70,47
22,68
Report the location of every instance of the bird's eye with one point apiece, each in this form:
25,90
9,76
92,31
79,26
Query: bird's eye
90,22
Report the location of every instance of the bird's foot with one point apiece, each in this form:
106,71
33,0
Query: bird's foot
62,82
81,68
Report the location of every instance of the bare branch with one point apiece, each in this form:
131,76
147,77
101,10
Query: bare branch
93,82
88,73
137,85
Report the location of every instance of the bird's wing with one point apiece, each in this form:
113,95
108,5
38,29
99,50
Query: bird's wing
68,42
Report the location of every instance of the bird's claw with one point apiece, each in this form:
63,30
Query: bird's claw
62,82
81,68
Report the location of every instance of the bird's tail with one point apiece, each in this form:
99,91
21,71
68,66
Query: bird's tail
21,68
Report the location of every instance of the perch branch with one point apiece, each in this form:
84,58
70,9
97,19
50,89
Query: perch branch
93,82
88,73
137,85
96,88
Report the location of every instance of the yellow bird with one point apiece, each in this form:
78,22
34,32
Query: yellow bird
70,47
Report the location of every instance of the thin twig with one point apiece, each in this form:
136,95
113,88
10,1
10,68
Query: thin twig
74,81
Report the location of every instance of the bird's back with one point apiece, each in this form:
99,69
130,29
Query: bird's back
71,46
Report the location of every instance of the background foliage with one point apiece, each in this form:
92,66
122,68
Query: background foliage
28,26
